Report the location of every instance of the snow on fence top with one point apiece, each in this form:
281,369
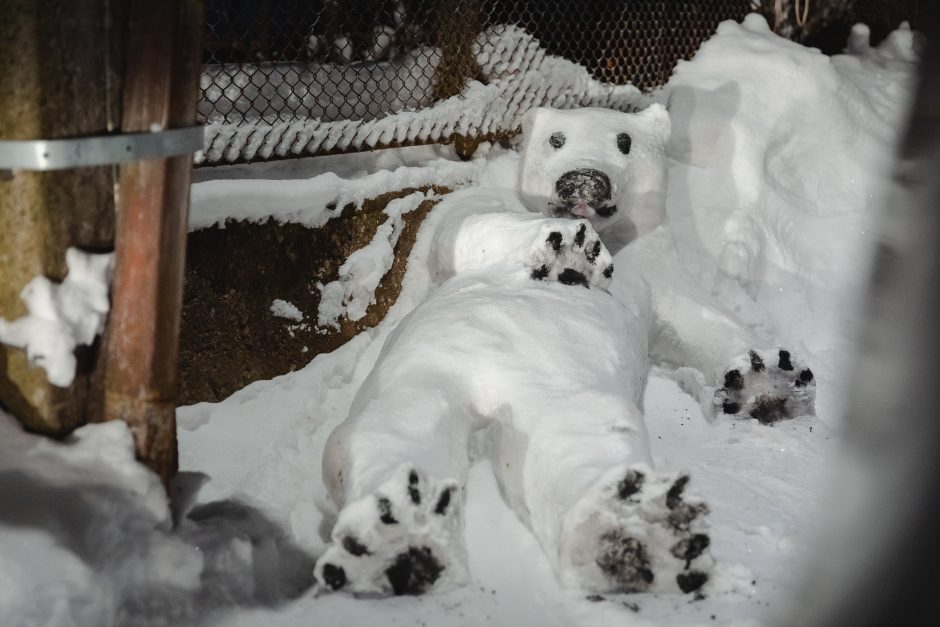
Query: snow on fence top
520,76
290,78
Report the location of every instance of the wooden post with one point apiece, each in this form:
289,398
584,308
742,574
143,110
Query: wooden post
160,91
60,76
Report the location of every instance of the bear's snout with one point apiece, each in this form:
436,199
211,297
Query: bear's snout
584,184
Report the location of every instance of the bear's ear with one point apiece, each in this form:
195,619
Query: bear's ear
657,118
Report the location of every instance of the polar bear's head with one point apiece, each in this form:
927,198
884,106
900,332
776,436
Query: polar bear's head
599,164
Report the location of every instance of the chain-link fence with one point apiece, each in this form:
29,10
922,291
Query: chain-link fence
287,78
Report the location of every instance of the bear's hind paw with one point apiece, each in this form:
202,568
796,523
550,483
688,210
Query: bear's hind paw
638,533
403,539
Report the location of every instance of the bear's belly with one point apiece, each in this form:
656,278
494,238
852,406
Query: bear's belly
505,335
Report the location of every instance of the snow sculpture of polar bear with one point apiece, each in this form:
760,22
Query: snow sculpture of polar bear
513,346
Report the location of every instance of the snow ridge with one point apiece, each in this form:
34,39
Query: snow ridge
359,276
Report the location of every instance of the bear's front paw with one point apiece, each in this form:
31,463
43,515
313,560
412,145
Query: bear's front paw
570,252
767,385
403,539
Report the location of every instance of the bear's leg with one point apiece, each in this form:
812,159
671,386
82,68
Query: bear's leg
608,522
398,481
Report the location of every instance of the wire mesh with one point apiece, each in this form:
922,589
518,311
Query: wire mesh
289,78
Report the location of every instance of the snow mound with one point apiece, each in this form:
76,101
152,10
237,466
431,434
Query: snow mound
87,538
785,149
62,316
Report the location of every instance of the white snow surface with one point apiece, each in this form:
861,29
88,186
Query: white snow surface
351,294
85,536
312,201
284,309
62,315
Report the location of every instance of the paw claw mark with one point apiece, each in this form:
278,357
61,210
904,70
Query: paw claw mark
540,273
631,484
413,491
570,276
554,238
385,512
334,576
354,547
414,572
805,377
674,495
579,236
757,364
785,363
682,514
443,502
593,253
689,548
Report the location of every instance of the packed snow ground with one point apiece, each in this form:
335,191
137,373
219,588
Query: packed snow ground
85,538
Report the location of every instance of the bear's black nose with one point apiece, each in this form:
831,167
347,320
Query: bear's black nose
584,184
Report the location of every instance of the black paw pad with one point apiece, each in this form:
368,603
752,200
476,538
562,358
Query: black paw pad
579,236
570,276
334,576
354,547
690,548
413,491
674,495
385,512
730,407
593,253
540,273
682,514
443,502
769,409
757,364
805,377
609,271
691,581
785,363
630,484
414,572
734,380
554,238
625,560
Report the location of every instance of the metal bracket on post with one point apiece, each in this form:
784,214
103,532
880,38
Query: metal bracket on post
81,152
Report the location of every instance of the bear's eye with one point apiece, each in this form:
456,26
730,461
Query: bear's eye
557,140
624,142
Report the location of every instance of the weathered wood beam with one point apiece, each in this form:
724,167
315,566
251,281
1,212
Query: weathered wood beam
161,91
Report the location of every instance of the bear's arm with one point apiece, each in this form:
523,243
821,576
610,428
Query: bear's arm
690,328
474,238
